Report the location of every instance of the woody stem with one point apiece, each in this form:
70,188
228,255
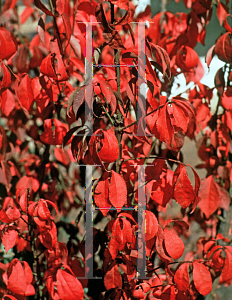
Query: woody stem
119,115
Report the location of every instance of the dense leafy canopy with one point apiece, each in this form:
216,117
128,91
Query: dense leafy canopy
57,120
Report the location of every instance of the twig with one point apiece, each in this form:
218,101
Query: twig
117,71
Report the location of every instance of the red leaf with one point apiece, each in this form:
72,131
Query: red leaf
110,149
180,117
163,127
224,197
9,4
30,291
186,58
17,282
226,274
51,137
209,55
48,237
60,6
101,194
214,254
21,59
131,90
122,234
27,271
222,12
169,293
111,36
10,238
13,213
226,99
5,77
150,247
79,97
41,29
127,215
4,217
180,223
8,44
159,245
27,12
151,225
202,278
203,112
7,101
43,211
117,190
41,6
210,198
63,156
219,81
67,26
113,278
53,67
36,58
195,74
107,91
173,244
181,277
68,287
160,167
161,56
24,92
226,25
161,189
151,74
75,44
123,4
28,182
189,112
138,293
223,48
228,119
31,209
183,192
115,240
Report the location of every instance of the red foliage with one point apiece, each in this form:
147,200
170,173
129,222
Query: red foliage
142,201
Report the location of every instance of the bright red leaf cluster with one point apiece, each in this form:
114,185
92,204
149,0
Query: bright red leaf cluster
47,145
